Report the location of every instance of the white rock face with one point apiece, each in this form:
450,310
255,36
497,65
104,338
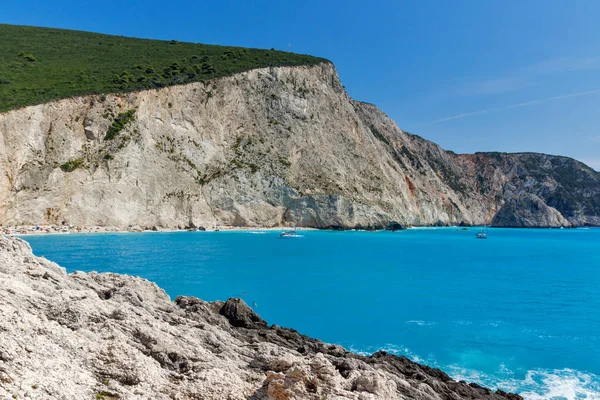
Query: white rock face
109,336
238,150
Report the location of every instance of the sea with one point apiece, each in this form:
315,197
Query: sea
519,311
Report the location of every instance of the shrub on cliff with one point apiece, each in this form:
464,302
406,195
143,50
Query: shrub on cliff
72,165
119,124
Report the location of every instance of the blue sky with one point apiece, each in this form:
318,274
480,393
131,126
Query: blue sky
470,75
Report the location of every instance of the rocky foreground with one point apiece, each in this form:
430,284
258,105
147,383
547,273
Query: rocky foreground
110,336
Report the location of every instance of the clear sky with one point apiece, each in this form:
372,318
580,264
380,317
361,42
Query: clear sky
470,75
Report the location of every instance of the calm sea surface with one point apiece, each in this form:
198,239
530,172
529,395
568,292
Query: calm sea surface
519,311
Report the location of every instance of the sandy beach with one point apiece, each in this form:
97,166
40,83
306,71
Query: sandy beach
71,229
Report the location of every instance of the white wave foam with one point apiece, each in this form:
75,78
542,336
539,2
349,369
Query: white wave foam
392,349
467,323
493,324
560,384
353,349
402,351
537,384
421,323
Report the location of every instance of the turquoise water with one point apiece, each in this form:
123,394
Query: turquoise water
519,311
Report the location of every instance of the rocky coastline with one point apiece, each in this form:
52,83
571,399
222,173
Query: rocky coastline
245,150
110,336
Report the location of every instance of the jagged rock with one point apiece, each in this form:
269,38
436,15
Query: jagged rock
528,211
137,344
240,315
242,156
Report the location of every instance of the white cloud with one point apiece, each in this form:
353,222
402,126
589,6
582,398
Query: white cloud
526,75
563,64
494,86
511,106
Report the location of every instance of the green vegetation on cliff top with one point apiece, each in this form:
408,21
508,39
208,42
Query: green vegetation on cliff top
38,65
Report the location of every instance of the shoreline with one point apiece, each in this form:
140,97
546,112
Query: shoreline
45,230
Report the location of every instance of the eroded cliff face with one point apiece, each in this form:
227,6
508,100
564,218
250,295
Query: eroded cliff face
239,150
109,336
516,190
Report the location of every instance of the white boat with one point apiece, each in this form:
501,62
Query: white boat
483,234
289,234
293,233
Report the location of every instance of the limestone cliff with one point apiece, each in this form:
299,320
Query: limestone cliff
109,336
238,150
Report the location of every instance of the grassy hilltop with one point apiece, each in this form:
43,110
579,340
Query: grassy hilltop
38,65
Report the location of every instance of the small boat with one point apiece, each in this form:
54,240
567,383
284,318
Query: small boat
293,233
289,234
483,234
